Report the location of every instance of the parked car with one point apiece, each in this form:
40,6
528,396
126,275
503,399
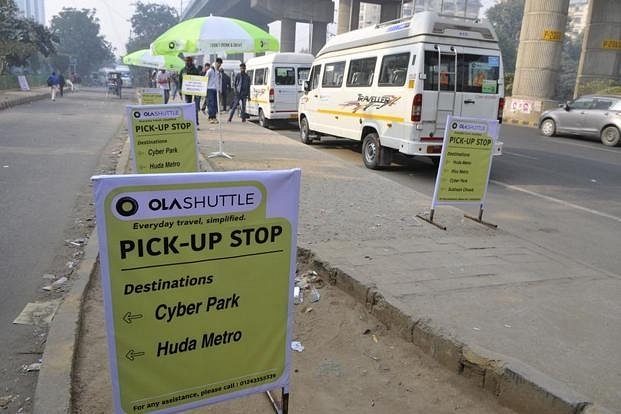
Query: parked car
596,116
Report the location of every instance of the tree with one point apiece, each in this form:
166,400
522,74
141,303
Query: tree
148,22
21,39
570,57
506,17
80,42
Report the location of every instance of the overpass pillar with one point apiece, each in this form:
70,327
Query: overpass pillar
349,16
318,38
600,59
538,60
287,35
390,11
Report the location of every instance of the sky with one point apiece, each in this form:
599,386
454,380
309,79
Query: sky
114,18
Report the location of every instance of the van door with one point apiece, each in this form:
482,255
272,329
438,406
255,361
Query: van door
285,99
460,82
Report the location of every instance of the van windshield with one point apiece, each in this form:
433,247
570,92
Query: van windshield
475,73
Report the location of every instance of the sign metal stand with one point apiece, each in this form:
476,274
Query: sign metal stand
282,406
220,152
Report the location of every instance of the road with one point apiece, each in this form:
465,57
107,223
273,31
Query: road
563,194
47,157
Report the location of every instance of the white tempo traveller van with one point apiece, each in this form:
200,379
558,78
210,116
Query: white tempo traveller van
392,86
276,85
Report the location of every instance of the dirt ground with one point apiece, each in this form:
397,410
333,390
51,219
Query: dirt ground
351,363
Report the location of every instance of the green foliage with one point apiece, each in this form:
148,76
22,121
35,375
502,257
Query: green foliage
148,22
600,86
21,39
570,58
506,17
80,41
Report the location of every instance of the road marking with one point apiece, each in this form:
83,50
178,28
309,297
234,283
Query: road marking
575,144
556,200
515,154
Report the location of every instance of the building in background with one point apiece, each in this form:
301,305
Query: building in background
577,17
32,9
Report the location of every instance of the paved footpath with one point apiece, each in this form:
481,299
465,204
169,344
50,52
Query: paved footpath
538,329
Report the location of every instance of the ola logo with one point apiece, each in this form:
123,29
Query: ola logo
137,114
126,206
454,125
171,45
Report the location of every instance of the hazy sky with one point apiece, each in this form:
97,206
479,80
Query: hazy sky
114,18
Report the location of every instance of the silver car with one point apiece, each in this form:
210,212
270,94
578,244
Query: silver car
596,116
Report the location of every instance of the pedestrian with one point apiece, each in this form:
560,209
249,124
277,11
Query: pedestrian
54,83
241,86
204,73
226,85
174,84
61,84
163,82
190,69
214,86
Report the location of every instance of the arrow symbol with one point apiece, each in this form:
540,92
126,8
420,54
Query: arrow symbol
128,317
131,355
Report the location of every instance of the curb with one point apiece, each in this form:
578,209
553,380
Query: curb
514,384
8,103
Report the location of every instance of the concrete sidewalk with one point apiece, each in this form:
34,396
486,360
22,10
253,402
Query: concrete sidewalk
12,97
536,329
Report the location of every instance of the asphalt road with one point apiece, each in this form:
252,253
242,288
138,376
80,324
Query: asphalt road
48,152
562,193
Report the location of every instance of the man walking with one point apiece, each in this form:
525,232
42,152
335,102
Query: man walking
54,83
241,85
163,82
226,85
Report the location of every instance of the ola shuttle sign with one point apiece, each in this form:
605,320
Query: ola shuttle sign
198,274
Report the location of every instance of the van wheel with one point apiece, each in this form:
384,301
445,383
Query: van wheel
263,121
305,132
548,127
610,136
371,150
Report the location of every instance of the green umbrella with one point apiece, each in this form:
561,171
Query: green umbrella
216,35
144,58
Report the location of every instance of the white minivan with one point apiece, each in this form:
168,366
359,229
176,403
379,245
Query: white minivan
393,85
276,85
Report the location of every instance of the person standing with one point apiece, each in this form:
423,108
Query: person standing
226,85
213,88
190,69
174,83
241,86
54,83
61,84
163,82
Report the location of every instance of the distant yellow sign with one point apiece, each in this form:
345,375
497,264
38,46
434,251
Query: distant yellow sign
611,44
552,35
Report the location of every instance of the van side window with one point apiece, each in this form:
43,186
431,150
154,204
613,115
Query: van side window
285,75
302,75
250,75
361,72
314,77
259,76
333,75
394,69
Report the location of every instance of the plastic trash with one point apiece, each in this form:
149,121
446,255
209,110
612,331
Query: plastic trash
297,346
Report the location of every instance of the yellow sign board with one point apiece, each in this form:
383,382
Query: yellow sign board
163,138
552,35
198,272
466,161
611,44
151,96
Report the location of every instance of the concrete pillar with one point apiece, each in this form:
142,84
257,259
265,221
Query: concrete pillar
538,61
600,59
287,35
390,11
539,54
319,37
349,16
